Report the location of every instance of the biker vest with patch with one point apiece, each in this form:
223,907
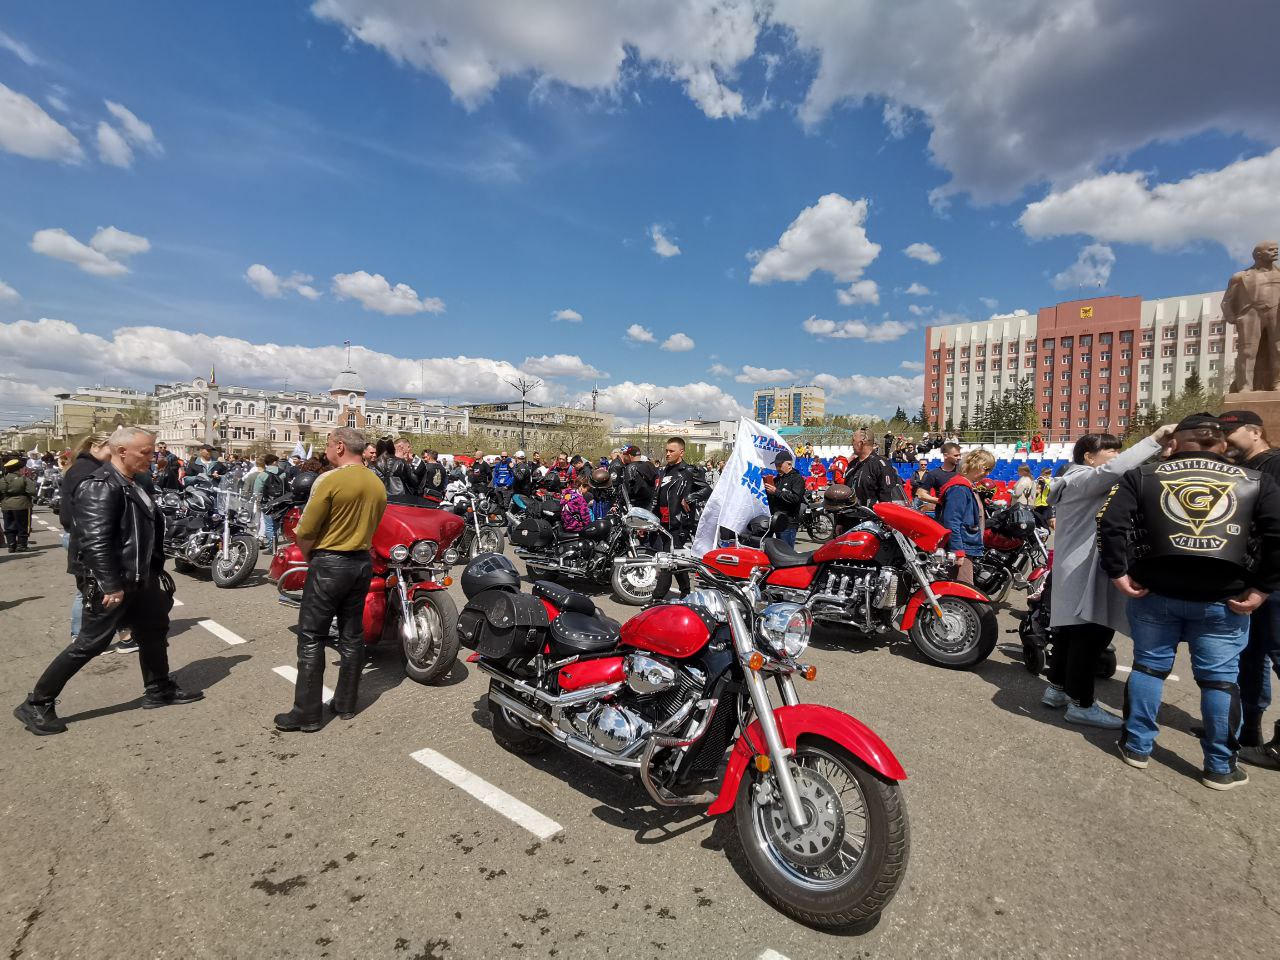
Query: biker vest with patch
1197,507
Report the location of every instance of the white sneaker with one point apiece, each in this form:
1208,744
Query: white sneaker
1093,716
1055,697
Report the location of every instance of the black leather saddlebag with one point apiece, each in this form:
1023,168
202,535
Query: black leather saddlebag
500,625
532,533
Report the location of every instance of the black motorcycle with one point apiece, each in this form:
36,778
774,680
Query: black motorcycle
485,530
599,553
210,529
1015,553
815,520
1037,638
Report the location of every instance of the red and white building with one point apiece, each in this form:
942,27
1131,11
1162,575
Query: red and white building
1094,362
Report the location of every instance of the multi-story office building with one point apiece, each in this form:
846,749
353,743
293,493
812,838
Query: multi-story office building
545,429
789,406
1093,362
96,409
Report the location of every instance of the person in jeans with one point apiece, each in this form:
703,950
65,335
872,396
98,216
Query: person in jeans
334,535
786,495
1194,541
1087,610
116,537
1247,441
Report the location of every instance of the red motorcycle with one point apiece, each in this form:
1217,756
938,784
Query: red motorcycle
679,698
887,569
407,597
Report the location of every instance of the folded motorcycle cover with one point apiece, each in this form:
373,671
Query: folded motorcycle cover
500,625
532,533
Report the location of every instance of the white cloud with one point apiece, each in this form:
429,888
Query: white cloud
270,285
862,291
103,254
55,352
590,46
112,147
907,391
568,315
828,236
923,252
1091,269
1236,206
8,294
561,365
989,302
28,131
913,365
18,49
759,375
719,370
1008,316
678,402
373,291
662,246
916,310
639,334
856,329
677,343
918,290
135,130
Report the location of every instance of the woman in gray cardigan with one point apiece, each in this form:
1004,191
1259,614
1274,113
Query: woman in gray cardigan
1086,610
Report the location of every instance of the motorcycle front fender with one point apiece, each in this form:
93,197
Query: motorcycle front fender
801,720
941,588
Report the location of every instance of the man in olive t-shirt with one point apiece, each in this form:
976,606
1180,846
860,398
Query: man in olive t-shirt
334,535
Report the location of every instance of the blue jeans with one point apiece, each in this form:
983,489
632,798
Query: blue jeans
77,613
788,535
1215,637
1261,656
268,527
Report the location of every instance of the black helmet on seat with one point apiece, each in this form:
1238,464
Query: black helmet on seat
489,571
837,497
300,488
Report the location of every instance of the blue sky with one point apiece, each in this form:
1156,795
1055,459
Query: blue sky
509,162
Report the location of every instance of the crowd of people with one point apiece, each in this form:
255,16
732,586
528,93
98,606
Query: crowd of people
1173,540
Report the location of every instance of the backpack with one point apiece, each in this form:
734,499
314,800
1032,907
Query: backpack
272,486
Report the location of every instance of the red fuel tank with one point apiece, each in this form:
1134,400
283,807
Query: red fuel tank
854,545
669,628
589,673
736,562
794,578
925,532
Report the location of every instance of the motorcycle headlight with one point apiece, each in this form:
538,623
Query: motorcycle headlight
785,628
215,518
424,551
451,556
399,553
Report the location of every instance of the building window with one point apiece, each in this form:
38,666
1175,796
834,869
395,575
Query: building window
288,435
1048,378
1047,343
1066,343
1126,336
1124,388
1214,364
1170,333
1215,346
1086,340
1193,331
273,436
1190,365
271,412
351,420
1168,350
1104,356
1048,361
329,415
1066,391
1104,372
1148,336
1082,422
1191,349
1084,406
252,409
1064,407
1166,368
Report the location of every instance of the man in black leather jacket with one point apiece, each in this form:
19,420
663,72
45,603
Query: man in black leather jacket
681,487
639,479
116,538
786,495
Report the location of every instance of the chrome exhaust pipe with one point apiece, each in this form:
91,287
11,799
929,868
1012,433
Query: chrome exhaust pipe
544,724
659,741
572,699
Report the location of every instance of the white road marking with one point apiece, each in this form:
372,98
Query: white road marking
771,955
221,632
515,810
291,674
1122,669
178,603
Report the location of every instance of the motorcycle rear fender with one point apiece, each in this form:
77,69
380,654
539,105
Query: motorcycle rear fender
941,588
807,719
425,586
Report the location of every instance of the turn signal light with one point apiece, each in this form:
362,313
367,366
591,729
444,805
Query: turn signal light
763,763
447,581
809,672
755,661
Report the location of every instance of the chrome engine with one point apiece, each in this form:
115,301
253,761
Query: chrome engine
608,726
646,676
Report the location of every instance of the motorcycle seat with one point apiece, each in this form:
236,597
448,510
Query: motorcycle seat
564,599
781,554
579,633
561,534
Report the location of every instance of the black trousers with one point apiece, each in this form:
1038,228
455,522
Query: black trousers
1076,649
17,526
663,584
336,587
144,610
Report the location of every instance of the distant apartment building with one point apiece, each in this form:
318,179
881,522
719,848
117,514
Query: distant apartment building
98,409
1094,362
789,406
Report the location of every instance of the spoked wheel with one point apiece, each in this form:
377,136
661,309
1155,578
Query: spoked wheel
841,868
235,568
634,585
512,733
962,637
488,540
431,647
821,526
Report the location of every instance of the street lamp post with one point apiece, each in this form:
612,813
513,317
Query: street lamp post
649,406
525,387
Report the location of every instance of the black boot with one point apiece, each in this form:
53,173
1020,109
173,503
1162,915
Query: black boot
308,704
168,693
40,718
348,690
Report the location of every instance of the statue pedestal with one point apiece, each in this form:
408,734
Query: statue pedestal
1265,403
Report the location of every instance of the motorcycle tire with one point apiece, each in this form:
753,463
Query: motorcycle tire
634,586
855,900
1106,668
512,733
432,658
978,638
239,567
182,565
821,528
495,542
1034,658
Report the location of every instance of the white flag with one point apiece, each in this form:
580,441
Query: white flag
298,451
308,451
739,496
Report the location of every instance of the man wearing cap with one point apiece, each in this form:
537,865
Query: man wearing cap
1194,542
786,494
639,479
523,476
1248,442
680,489
17,493
872,478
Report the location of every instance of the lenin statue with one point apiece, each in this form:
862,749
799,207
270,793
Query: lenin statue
1252,304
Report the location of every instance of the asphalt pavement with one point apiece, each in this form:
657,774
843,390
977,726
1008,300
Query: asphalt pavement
199,831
